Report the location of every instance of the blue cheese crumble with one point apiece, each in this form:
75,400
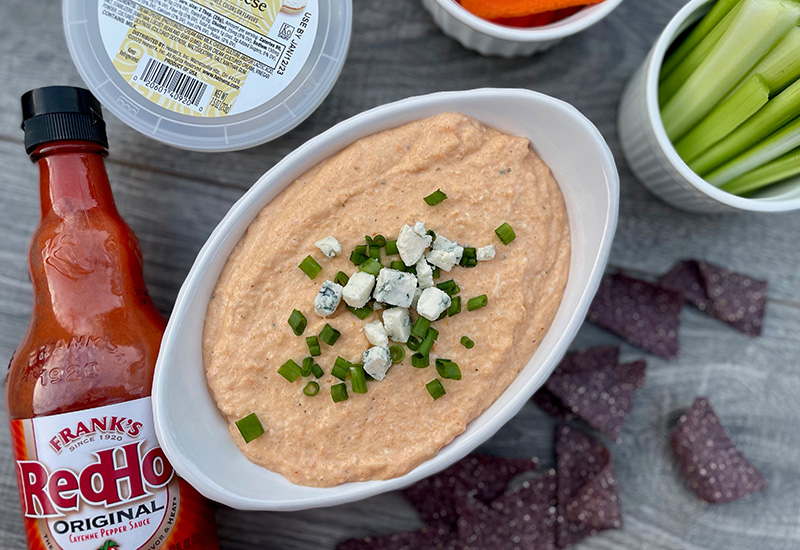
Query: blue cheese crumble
377,361
412,243
424,274
442,258
358,289
376,334
395,287
432,302
329,246
327,299
397,323
485,253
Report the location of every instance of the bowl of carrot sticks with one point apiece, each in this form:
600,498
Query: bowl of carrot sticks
511,28
711,120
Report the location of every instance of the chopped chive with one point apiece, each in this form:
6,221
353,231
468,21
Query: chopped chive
290,370
298,322
362,249
305,369
361,312
398,265
340,368
413,343
391,248
435,198
329,335
420,361
311,389
467,342
426,345
505,233
317,371
371,266
469,262
448,369
432,333
339,392
477,302
250,427
397,353
437,272
379,240
369,240
367,377
455,306
469,258
420,328
432,233
357,258
470,252
375,252
341,278
435,388
313,346
450,287
310,267
442,315
357,379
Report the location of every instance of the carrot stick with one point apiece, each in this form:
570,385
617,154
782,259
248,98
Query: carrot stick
495,9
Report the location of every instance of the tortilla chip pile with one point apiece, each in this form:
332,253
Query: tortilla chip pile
469,506
648,314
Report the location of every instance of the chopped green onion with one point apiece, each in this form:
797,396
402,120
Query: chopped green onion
339,392
435,198
426,345
375,252
471,262
250,427
448,369
467,342
442,315
470,252
371,266
432,333
357,258
341,278
397,353
437,272
477,302
298,322
432,233
398,265
357,379
413,343
305,369
290,370
369,240
329,335
420,361
420,328
313,346
435,388
505,233
311,389
310,267
379,240
724,118
367,377
779,169
340,368
362,249
317,371
391,248
450,287
455,306
361,312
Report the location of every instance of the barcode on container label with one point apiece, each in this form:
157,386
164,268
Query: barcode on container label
173,83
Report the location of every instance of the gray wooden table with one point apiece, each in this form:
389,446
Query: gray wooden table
173,199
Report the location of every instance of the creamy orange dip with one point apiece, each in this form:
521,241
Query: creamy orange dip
375,186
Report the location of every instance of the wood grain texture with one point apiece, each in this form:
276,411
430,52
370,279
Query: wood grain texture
173,199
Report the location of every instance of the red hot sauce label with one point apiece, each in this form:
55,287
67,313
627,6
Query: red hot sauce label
97,478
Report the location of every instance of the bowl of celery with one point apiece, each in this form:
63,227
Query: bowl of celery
711,121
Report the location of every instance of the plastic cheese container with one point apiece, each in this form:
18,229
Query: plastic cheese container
209,75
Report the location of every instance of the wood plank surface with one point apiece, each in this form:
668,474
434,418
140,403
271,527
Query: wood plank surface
173,199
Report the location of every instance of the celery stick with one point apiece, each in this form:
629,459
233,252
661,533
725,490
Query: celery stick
778,111
671,83
757,26
779,169
781,66
706,24
724,119
779,143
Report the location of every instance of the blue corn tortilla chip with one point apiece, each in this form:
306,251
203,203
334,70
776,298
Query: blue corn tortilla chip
484,477
716,470
522,518
435,538
731,297
645,314
595,387
587,487
552,405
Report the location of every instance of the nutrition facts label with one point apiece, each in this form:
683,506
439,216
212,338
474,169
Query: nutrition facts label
208,57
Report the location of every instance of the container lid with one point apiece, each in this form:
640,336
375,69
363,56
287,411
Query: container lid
209,75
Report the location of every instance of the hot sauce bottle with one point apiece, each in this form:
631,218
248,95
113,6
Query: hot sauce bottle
91,473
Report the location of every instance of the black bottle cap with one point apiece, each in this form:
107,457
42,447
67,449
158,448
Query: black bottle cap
57,113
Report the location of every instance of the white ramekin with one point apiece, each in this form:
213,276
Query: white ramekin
192,432
489,38
650,153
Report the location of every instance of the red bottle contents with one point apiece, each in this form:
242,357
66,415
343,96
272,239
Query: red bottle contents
91,473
